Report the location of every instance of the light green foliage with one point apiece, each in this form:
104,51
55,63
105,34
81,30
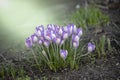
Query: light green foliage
89,16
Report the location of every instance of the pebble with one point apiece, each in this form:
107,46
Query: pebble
77,6
117,63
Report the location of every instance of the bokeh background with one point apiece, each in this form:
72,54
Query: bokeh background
18,18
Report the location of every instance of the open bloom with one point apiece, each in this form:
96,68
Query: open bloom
28,43
91,47
63,54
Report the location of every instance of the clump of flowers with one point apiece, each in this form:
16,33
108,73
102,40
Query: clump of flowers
58,46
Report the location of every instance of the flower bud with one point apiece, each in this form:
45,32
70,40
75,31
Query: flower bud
91,47
28,43
63,54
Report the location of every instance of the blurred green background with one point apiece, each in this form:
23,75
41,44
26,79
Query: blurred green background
18,18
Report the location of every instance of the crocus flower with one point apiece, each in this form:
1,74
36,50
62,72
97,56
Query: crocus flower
63,54
65,35
60,31
79,32
70,29
40,28
46,43
91,47
28,42
40,41
34,38
62,41
75,44
75,38
57,40
73,28
47,35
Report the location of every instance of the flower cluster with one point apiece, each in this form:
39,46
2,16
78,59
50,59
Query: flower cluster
55,34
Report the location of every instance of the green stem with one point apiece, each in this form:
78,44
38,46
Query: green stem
35,58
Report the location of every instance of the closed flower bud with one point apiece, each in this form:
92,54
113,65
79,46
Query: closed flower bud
34,38
46,43
28,42
91,47
75,44
79,32
63,54
75,38
40,42
65,35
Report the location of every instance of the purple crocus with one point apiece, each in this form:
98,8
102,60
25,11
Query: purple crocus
39,30
34,38
28,42
46,43
40,42
75,44
62,41
73,27
75,38
91,47
60,31
57,40
63,54
47,35
41,27
79,32
65,35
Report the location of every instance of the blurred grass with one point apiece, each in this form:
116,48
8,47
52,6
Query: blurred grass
89,16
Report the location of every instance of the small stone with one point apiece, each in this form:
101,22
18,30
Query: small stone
85,78
117,64
77,6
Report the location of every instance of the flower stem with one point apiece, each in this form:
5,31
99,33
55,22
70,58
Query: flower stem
35,58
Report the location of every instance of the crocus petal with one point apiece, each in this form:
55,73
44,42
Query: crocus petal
40,42
75,44
46,43
75,38
79,32
60,31
65,35
63,54
34,38
28,43
91,47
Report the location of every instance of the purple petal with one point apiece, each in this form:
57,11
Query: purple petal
91,47
75,44
63,54
34,38
28,43
79,31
